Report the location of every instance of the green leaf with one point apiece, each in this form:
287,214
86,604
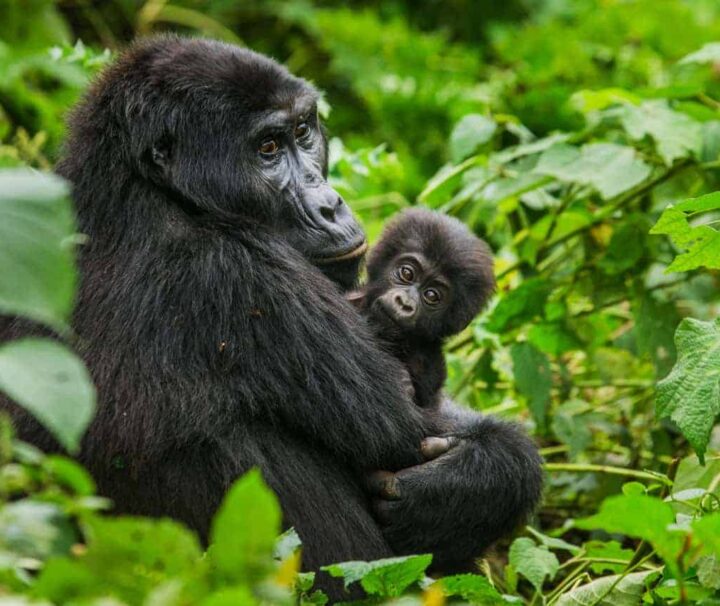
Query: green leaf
628,591
383,578
690,394
676,135
707,531
691,476
244,530
126,555
710,53
609,168
533,562
37,269
30,529
52,383
445,181
471,587
626,247
554,338
469,134
607,550
570,426
533,378
519,305
642,517
702,242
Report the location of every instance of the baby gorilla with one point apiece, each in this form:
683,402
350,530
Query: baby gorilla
428,277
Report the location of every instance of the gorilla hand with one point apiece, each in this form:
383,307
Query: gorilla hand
476,485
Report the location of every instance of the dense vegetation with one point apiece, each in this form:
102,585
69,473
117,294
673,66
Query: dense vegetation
580,138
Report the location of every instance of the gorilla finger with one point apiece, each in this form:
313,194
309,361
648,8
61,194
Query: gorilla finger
431,448
384,484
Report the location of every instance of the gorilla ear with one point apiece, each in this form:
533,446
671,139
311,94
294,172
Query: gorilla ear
160,154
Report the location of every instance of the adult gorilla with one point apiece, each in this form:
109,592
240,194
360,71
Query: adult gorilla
216,345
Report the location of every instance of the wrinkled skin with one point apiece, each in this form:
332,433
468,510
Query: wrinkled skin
215,343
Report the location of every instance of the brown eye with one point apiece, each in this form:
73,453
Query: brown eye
406,273
269,147
432,296
302,130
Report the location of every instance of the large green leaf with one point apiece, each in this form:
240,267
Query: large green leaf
676,135
701,242
126,557
52,383
37,271
690,394
642,517
609,168
608,591
384,578
534,562
244,530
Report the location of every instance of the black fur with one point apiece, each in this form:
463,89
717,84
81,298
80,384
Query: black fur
216,346
445,255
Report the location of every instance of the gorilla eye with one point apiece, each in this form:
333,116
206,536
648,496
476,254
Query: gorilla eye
269,147
406,273
432,296
302,130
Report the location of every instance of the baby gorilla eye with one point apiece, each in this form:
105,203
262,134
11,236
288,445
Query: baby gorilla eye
269,147
432,296
406,273
302,130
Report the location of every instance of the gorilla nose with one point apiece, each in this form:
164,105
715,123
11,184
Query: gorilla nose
330,206
404,304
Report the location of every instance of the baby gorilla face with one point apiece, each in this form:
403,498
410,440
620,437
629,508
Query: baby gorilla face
414,298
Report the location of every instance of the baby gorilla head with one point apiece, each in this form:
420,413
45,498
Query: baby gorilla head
428,276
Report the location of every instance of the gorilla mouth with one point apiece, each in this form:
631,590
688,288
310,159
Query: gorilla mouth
346,255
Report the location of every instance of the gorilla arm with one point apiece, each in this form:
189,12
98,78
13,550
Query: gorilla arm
482,478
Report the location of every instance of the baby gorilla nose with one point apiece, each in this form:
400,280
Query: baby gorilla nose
404,305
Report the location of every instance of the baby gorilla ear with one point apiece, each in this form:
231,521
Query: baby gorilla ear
357,298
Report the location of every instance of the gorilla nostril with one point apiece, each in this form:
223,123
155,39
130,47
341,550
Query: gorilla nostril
327,213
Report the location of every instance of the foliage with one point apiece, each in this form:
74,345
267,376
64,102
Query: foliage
581,140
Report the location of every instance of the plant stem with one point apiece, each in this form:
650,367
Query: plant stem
609,469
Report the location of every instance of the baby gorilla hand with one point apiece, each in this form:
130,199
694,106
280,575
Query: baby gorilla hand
387,487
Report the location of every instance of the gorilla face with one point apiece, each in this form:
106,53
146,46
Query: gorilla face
228,132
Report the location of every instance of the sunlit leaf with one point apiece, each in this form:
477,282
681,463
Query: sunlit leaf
609,168
676,135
